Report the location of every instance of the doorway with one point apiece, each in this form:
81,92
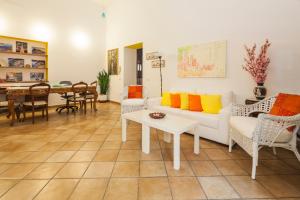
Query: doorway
133,64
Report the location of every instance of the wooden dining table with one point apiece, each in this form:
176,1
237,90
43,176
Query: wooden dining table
15,91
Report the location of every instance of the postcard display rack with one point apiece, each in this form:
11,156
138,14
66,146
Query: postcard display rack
23,60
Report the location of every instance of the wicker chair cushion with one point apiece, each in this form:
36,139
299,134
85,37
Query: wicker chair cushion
135,91
286,105
247,125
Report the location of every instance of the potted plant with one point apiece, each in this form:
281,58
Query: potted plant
103,81
257,66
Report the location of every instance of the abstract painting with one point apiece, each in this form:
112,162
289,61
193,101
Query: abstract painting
38,64
38,50
21,47
113,61
14,76
156,63
205,60
15,62
6,47
37,76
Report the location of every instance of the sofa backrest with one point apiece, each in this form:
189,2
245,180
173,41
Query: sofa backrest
227,96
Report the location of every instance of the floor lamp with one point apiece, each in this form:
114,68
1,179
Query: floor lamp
159,57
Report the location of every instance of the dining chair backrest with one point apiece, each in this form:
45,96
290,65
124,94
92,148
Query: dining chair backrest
80,89
39,92
94,83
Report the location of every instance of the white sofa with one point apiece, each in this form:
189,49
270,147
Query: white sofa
211,126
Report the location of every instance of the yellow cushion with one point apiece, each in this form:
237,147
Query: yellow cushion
184,99
166,99
211,103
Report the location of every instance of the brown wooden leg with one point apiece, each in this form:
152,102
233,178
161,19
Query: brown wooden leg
91,103
33,114
47,112
11,109
95,100
84,106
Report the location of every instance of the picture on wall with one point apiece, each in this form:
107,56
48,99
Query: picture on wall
204,60
38,64
38,51
156,63
37,76
6,47
14,76
21,47
15,62
151,56
113,61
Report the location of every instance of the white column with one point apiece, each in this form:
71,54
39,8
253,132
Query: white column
145,139
124,129
176,151
196,143
167,137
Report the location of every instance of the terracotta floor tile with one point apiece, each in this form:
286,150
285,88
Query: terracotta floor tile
37,157
126,169
106,155
260,169
4,167
153,155
190,155
82,137
14,157
132,145
186,188
229,167
129,155
127,188
279,167
168,155
72,170
71,146
217,188
111,145
58,189
97,138
45,171
99,170
278,186
61,156
152,169
5,185
83,156
26,189
204,168
91,146
185,169
248,188
18,171
154,188
216,154
52,146
92,189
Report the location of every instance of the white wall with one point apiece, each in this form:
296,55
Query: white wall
165,25
60,22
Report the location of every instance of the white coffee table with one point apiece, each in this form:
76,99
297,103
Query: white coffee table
172,124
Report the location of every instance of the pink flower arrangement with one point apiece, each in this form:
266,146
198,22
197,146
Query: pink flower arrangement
257,65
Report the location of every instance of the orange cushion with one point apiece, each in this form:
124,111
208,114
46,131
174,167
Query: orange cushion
195,103
175,100
135,92
286,105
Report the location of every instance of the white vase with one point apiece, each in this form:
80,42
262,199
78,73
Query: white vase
102,97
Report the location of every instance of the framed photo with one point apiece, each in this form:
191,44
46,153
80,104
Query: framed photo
14,76
21,47
113,61
37,76
6,47
38,64
155,63
151,56
38,51
15,62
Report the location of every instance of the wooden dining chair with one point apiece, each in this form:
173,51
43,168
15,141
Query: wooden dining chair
91,96
79,95
37,100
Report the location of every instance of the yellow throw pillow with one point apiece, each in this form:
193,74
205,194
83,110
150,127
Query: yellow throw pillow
184,99
211,103
166,99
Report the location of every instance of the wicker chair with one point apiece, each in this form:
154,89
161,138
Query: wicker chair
131,105
266,130
79,95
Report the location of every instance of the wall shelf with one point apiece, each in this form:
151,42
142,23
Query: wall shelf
24,54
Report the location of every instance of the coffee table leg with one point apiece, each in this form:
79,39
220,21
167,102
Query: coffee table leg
176,152
124,129
145,139
167,137
196,143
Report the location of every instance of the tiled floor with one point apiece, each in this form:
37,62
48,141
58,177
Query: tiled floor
82,157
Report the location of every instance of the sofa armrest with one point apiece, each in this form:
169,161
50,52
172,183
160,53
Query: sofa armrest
153,102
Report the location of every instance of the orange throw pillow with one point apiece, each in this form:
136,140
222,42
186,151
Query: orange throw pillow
135,92
195,103
286,105
175,100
